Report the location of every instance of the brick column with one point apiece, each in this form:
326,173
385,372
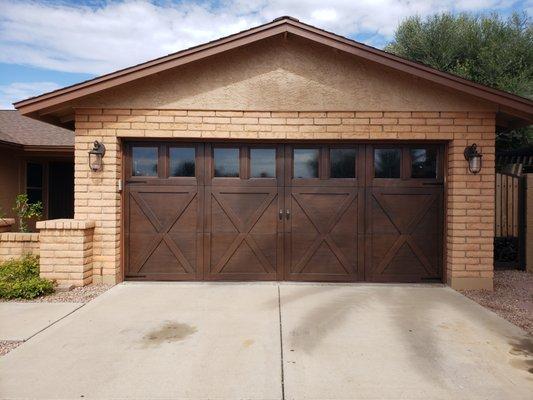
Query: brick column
470,215
66,251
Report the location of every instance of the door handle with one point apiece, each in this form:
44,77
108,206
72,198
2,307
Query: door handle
287,213
280,214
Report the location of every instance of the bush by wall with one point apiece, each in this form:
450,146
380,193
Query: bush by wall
20,279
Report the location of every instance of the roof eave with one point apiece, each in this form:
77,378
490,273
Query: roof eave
514,105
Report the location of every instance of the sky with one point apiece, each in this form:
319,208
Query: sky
49,44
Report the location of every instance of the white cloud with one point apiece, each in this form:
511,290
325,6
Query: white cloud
22,90
115,35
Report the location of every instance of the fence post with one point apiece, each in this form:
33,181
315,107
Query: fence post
529,221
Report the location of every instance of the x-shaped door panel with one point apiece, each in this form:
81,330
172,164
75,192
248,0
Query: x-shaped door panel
323,233
404,234
161,232
243,240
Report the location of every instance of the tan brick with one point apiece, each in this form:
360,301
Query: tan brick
372,114
327,121
245,120
272,121
397,114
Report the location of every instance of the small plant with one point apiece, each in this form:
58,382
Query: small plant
19,279
26,211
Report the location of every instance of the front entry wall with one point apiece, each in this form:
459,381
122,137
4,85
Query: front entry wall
468,200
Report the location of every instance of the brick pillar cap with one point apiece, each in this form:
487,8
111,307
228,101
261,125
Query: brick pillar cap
65,224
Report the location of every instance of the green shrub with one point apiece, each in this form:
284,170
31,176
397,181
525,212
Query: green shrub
19,279
26,211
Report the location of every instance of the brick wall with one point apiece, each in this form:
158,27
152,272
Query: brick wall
470,198
17,244
66,250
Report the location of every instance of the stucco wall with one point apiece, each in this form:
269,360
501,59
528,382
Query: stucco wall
10,182
279,74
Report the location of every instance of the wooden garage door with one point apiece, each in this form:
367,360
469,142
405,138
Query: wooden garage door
404,213
242,211
323,213
163,211
243,199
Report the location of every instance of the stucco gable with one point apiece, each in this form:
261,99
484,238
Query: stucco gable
284,74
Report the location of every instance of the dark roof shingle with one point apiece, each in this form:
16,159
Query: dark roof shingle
17,129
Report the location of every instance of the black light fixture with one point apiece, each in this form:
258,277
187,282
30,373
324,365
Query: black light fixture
95,156
474,158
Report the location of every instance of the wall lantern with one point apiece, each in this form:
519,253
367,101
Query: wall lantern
95,156
474,158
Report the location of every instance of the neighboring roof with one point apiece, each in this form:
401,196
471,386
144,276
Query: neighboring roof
521,109
19,130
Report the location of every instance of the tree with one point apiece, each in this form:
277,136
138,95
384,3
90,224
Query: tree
489,50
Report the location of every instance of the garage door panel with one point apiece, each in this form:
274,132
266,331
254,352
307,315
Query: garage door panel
243,225
162,225
322,233
404,234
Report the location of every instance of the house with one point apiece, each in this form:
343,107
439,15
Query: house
283,152
36,158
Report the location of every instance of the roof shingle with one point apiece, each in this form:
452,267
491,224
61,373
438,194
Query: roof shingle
17,129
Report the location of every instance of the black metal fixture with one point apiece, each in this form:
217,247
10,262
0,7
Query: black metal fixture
474,158
96,155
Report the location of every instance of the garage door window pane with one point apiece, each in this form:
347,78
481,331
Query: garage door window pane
144,161
387,163
226,162
306,163
263,163
342,162
181,161
424,163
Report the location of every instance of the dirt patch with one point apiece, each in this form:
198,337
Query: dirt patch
76,295
7,345
511,299
169,332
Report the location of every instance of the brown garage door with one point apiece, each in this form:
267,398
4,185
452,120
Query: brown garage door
339,212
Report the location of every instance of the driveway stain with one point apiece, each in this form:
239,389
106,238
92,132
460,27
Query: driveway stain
523,348
169,332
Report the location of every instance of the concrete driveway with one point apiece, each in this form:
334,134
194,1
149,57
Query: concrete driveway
273,341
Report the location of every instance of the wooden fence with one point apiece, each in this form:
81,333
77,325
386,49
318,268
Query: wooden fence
510,218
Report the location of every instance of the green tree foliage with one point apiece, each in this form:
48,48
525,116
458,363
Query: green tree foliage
489,50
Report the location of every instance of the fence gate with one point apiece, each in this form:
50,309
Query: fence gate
509,229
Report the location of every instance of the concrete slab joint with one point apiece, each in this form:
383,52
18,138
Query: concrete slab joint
66,251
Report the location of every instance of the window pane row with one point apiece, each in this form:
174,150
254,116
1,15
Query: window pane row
306,162
181,161
388,161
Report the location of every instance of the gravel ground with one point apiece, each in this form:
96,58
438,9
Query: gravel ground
7,345
511,299
76,295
